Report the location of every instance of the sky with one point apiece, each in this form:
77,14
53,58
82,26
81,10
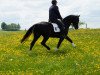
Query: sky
28,12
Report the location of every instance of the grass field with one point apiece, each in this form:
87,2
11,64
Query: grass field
15,58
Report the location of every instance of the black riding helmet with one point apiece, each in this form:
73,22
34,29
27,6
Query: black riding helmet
54,2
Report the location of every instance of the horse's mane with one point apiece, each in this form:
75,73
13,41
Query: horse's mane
69,17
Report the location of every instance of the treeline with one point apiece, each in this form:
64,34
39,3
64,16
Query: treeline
10,27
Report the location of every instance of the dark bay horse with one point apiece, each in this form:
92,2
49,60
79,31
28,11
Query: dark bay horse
46,30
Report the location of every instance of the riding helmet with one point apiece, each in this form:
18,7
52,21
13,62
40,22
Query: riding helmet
54,2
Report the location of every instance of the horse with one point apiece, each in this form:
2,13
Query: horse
46,30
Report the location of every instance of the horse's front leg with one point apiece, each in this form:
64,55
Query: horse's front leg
67,38
59,43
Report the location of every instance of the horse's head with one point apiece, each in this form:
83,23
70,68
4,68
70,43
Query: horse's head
75,21
72,19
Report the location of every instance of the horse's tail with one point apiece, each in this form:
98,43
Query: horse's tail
28,33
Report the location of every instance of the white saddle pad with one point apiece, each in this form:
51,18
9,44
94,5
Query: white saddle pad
55,27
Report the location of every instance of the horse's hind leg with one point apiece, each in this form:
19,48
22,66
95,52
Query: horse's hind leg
44,42
36,36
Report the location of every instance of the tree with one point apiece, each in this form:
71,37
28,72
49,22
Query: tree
10,27
81,23
18,27
14,27
3,25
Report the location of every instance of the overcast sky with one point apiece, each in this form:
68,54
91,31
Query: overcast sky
29,12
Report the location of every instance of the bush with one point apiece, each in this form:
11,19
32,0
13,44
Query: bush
3,25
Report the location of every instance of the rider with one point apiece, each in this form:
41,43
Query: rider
54,15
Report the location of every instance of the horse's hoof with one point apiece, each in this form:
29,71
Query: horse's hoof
48,48
56,49
73,45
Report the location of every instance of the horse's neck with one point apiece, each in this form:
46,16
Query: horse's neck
67,25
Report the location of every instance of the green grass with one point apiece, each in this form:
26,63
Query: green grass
16,59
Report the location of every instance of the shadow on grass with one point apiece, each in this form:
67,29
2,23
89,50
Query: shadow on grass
35,53
59,52
32,54
41,51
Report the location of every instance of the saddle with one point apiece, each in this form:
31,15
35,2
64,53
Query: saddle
55,27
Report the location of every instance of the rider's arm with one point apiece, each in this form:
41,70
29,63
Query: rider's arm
58,13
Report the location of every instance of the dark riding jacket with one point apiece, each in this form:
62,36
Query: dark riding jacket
54,13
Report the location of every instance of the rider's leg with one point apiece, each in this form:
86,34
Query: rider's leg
60,25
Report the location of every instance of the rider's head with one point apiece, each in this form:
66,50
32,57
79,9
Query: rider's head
54,2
